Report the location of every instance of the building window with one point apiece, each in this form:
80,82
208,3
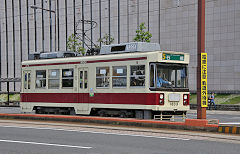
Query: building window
53,79
137,76
67,78
102,77
41,79
119,76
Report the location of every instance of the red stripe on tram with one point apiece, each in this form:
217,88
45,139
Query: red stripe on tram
99,98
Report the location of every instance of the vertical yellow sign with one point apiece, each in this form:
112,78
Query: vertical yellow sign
204,98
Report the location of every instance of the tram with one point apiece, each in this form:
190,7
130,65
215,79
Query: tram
128,80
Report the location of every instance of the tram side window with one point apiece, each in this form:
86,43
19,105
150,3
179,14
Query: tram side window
137,76
27,80
102,77
53,79
67,78
119,77
41,79
152,76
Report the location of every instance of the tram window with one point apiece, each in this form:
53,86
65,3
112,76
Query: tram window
102,77
174,76
67,78
85,80
152,76
119,76
41,79
25,80
29,80
181,77
53,79
137,76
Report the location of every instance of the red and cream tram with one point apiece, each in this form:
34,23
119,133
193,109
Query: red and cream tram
127,80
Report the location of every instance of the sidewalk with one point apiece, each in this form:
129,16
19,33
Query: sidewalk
189,124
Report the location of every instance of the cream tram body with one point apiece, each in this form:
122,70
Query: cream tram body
103,84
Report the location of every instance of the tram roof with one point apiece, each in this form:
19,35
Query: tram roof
101,57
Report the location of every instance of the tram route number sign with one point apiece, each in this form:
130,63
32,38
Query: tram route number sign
204,98
178,57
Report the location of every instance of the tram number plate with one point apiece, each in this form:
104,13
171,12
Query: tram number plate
173,103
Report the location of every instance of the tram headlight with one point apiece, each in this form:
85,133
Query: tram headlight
161,99
185,99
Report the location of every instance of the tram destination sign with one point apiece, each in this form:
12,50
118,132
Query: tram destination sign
178,57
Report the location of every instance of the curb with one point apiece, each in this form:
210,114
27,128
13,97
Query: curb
229,129
222,107
189,124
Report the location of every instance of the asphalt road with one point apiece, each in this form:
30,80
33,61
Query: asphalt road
39,138
223,116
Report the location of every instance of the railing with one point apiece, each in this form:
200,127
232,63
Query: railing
9,104
170,117
8,92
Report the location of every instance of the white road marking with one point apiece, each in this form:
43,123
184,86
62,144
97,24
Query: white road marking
230,123
48,144
93,132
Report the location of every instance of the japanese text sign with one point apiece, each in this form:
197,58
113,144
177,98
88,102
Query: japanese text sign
204,98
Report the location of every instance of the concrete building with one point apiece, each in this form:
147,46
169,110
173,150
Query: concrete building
26,28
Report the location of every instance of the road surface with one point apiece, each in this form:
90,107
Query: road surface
61,138
223,116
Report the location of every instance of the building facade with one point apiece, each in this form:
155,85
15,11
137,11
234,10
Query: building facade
28,26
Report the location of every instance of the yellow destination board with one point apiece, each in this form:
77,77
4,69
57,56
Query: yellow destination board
204,98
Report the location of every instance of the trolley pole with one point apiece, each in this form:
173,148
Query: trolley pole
201,111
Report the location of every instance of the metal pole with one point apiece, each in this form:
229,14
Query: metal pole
100,22
6,21
28,39
118,21
109,21
43,48
58,24
74,17
13,44
8,92
0,52
55,27
201,111
83,34
159,22
127,20
50,14
138,13
20,26
66,28
148,16
91,23
35,26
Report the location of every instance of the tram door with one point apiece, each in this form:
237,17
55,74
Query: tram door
26,84
83,93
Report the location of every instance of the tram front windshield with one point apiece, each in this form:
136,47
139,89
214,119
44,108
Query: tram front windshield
168,76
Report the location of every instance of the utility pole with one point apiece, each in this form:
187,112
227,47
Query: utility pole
201,111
